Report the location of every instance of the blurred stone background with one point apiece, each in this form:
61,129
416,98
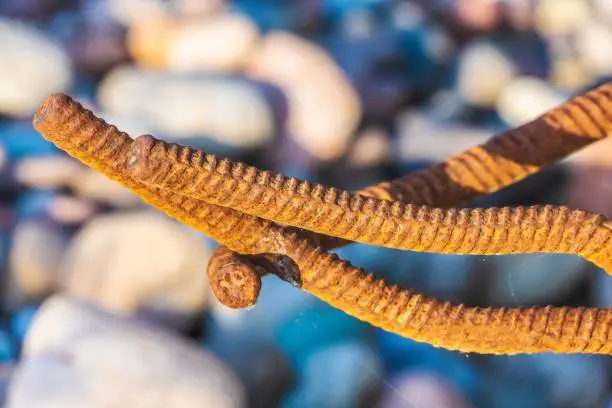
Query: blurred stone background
105,302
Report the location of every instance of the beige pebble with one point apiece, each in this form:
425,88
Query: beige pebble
129,12
190,106
70,210
77,356
138,261
422,139
218,43
47,171
526,98
36,252
592,41
96,186
561,17
570,74
483,73
423,390
602,9
371,148
324,109
32,66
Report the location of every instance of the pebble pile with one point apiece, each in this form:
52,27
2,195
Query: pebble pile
106,302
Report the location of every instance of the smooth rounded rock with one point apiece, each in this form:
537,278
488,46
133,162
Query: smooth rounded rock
95,186
590,41
423,390
141,365
564,380
235,331
138,261
36,251
521,280
562,17
47,171
417,130
32,67
400,354
20,322
19,140
371,148
324,109
191,106
483,72
70,210
341,375
526,98
34,204
218,43
130,12
602,9
301,335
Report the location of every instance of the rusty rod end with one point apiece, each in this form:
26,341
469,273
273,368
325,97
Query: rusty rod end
235,282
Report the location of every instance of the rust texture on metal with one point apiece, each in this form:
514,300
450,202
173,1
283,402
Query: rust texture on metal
242,207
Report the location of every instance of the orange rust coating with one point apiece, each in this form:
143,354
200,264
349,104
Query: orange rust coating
500,331
234,280
492,231
503,160
104,148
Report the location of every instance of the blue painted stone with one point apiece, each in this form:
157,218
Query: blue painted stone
449,276
564,380
278,14
237,332
398,266
20,140
502,391
400,354
34,203
313,329
428,52
336,8
8,350
338,376
20,322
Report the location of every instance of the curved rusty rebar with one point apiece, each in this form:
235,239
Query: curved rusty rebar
326,210
525,150
500,331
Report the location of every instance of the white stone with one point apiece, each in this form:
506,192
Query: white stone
96,186
423,390
324,108
233,112
47,171
138,261
562,17
218,43
371,148
70,210
421,138
77,356
336,376
31,67
129,12
603,10
36,251
124,91
483,73
592,42
526,98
